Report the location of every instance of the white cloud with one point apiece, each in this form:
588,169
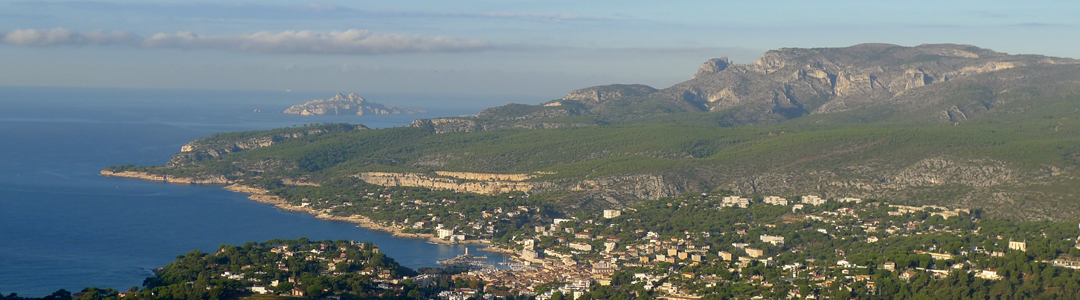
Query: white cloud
313,42
349,42
65,37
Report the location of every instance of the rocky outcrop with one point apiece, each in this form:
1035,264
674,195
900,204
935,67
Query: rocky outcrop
488,183
445,125
609,92
213,147
347,105
210,179
712,66
792,82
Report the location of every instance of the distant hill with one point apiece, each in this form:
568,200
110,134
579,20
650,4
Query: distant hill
347,105
948,125
942,83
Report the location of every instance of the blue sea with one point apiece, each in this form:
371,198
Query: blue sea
63,226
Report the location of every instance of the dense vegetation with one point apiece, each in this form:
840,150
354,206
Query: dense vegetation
304,268
688,149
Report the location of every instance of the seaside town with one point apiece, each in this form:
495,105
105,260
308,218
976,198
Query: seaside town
719,245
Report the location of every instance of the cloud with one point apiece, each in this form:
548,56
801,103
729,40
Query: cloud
349,42
65,37
318,11
313,42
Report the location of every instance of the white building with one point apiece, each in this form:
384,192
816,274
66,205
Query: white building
775,240
612,213
774,200
445,233
813,200
849,199
730,201
580,246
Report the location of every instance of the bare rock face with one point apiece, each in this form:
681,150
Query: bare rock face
792,82
713,66
598,94
346,105
454,181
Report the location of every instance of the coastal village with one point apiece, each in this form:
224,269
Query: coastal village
697,246
776,249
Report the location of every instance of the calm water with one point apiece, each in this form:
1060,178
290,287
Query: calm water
63,226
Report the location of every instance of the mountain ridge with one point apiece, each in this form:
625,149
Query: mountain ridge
1004,140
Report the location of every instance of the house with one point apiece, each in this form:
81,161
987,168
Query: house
754,252
988,274
1015,245
891,266
906,275
580,246
611,213
724,255
775,240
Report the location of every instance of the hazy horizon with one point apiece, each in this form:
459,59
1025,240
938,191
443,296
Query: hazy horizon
538,49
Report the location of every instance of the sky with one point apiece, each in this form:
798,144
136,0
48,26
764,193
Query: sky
524,48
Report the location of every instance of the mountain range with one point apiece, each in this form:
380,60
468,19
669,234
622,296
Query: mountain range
952,125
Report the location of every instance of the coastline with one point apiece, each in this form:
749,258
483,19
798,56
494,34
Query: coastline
259,195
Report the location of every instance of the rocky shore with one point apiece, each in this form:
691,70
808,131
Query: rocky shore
259,195
167,178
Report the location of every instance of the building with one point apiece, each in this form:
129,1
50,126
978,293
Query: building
609,246
611,213
813,200
774,200
1014,245
849,199
445,233
529,254
730,201
754,252
580,246
774,240
891,266
724,255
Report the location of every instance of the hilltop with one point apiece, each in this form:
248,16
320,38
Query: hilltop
951,125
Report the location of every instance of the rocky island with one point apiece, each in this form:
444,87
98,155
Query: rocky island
347,105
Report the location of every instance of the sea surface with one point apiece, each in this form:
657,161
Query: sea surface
63,226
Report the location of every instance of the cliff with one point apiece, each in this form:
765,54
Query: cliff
455,181
347,105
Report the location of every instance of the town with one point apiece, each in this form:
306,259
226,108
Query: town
719,245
